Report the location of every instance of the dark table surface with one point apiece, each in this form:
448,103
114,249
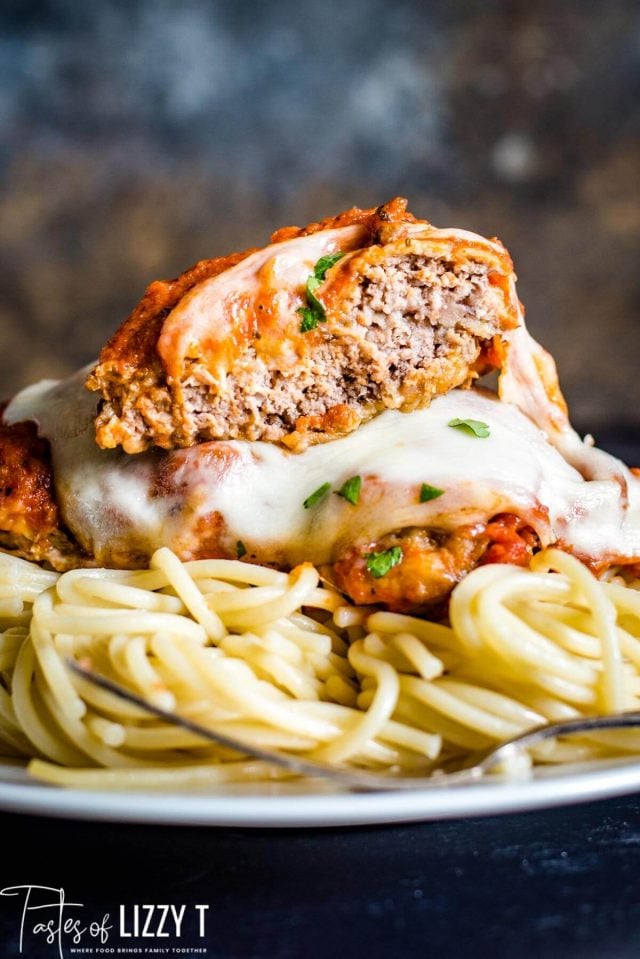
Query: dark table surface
563,882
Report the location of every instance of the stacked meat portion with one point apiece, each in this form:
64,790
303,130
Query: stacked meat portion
285,365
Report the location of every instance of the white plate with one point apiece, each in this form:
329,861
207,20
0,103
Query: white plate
315,804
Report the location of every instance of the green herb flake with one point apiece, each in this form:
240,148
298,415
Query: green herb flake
325,263
429,492
309,319
317,495
314,312
379,564
313,302
474,427
311,316
241,549
351,490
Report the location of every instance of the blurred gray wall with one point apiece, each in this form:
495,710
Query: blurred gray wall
138,137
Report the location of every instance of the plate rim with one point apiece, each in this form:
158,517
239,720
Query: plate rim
319,809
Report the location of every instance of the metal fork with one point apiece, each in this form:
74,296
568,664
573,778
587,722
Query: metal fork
361,780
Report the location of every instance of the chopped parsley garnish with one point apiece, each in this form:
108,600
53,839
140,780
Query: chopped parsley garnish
317,495
351,490
474,427
429,492
325,263
314,304
379,564
314,312
241,549
309,319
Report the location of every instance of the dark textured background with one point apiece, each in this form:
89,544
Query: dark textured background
138,137
555,884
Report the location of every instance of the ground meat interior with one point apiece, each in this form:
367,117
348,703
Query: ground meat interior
429,563
417,326
412,327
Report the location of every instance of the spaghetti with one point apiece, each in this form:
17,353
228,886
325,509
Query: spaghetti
282,661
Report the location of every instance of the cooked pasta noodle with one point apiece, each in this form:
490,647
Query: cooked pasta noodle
282,661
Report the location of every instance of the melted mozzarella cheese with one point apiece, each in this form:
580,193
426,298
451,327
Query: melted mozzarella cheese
207,311
115,505
529,381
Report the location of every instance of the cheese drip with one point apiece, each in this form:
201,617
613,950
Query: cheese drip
126,506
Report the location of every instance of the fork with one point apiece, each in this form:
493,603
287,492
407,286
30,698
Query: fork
361,780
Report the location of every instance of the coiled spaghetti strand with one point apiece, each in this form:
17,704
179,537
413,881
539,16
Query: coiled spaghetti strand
283,661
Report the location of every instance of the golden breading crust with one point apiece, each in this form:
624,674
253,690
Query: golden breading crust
30,523
402,313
